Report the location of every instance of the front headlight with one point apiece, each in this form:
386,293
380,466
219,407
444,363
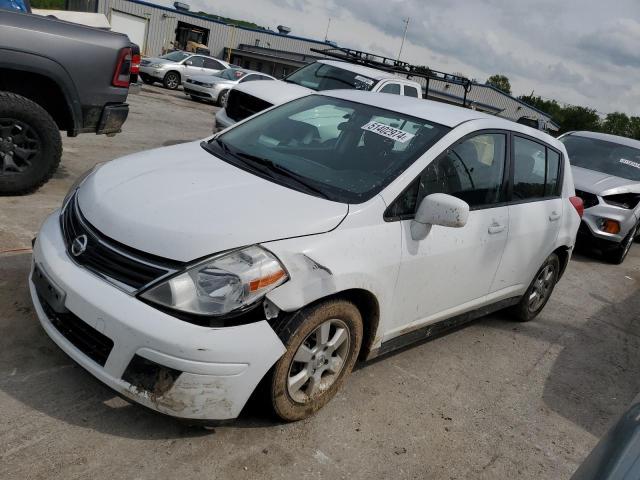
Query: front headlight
83,176
207,85
222,284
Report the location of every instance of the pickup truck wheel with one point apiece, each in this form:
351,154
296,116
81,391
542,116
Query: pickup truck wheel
322,342
540,290
171,80
30,145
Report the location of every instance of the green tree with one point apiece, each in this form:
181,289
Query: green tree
617,123
48,4
501,82
579,118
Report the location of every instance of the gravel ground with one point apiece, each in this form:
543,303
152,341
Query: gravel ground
493,400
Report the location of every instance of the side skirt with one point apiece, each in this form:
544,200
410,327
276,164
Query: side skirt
438,328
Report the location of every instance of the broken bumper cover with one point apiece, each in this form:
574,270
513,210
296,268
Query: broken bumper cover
112,118
163,363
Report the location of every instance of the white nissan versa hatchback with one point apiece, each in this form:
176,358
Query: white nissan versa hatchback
334,227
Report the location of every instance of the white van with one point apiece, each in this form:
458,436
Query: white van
336,227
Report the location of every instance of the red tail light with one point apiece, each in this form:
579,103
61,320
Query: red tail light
135,64
578,205
123,69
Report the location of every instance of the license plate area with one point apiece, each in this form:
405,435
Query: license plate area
48,290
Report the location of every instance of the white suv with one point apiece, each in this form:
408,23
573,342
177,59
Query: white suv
337,226
247,99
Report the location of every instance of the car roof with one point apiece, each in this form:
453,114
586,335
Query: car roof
436,112
247,71
628,142
361,70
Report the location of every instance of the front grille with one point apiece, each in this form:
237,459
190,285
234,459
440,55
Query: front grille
241,105
83,336
121,265
589,199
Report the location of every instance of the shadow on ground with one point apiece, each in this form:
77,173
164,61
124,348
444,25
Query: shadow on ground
595,376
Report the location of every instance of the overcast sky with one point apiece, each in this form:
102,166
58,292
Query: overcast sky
585,52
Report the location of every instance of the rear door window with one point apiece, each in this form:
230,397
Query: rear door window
536,170
196,61
411,91
212,64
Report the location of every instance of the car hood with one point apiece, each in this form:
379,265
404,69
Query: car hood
182,203
274,91
602,183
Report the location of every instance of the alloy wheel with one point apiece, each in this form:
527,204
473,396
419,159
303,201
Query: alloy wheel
542,288
318,361
19,145
172,81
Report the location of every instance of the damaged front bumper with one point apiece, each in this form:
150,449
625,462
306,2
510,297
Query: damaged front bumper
163,363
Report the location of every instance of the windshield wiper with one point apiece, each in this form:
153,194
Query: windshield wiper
282,171
263,165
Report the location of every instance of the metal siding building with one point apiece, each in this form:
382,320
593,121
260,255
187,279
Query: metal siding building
162,22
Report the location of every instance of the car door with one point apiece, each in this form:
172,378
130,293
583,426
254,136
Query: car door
451,270
535,212
194,66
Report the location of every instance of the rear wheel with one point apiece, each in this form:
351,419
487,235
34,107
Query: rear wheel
30,145
171,80
322,345
620,252
540,290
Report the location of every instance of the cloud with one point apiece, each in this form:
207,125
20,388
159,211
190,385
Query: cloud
616,43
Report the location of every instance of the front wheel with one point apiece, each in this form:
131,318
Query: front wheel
222,98
171,80
30,145
620,252
322,345
540,290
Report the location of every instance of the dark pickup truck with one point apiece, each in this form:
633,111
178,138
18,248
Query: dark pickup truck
54,76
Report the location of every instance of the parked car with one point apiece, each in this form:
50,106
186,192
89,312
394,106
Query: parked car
45,89
174,68
338,226
606,169
246,100
215,88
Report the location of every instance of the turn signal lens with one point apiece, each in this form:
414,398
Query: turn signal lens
609,226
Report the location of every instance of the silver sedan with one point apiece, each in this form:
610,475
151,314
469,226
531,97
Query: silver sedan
215,88
606,173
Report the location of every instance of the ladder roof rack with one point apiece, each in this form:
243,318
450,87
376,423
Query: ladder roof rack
396,66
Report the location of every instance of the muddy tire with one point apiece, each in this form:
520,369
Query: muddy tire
171,80
322,342
30,145
540,290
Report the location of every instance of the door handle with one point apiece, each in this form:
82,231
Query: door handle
554,216
495,228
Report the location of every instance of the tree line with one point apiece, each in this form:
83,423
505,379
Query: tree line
573,117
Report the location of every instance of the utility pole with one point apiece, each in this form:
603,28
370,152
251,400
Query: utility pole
404,35
326,35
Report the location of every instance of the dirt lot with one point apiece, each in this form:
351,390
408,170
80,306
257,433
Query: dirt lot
493,400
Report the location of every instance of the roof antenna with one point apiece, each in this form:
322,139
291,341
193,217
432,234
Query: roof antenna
404,35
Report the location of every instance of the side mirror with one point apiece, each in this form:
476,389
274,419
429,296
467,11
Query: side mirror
188,62
438,209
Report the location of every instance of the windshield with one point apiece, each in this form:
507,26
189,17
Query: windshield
176,56
340,150
319,76
231,74
604,157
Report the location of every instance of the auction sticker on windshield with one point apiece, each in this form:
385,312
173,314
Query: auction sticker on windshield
389,132
630,163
